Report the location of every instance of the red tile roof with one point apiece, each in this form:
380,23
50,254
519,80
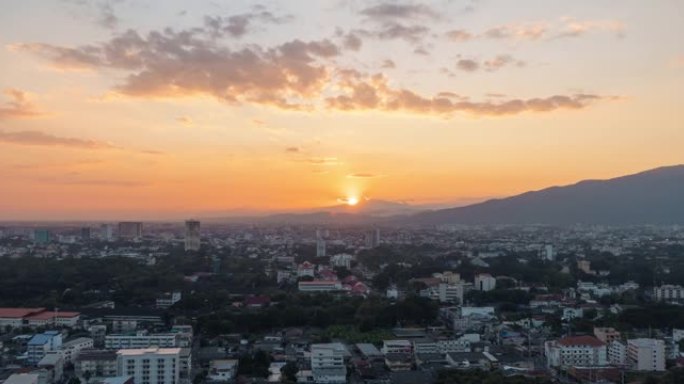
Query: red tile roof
581,340
18,313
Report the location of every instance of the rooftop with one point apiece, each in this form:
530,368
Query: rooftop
145,351
18,313
581,341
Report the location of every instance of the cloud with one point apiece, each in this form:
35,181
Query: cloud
323,161
18,106
364,93
459,35
69,179
174,64
238,25
363,175
576,28
529,31
185,120
467,65
491,65
389,10
396,31
296,75
352,42
292,150
43,139
388,64
101,12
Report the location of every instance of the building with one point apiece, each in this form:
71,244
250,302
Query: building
99,363
129,230
668,293
222,370
373,238
14,317
168,300
396,346
142,339
450,293
485,282
150,365
52,367
23,378
549,254
192,235
320,247
42,236
41,344
646,354
617,353
327,363
306,269
607,335
573,351
319,286
72,348
341,260
107,232
52,318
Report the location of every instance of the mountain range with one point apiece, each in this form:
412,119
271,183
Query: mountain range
651,197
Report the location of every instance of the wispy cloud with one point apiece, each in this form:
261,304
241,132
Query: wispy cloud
363,175
44,139
18,106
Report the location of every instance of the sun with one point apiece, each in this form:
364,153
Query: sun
352,200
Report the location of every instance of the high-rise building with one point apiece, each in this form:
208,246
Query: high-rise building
150,365
107,232
130,230
373,238
646,354
320,242
549,253
192,235
85,233
42,236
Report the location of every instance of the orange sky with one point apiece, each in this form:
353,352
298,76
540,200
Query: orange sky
129,109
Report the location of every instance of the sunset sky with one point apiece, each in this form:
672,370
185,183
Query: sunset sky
144,109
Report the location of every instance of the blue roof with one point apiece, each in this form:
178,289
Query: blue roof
41,339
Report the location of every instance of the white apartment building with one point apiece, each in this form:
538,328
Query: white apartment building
72,348
646,354
442,346
222,370
668,293
485,282
341,260
150,365
617,353
327,363
576,351
450,293
142,340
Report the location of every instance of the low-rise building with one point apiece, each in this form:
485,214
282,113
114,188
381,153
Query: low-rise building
319,286
41,344
99,363
222,370
327,363
149,365
585,351
72,348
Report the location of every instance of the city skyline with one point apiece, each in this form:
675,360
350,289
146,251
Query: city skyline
110,113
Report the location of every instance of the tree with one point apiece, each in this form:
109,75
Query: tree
74,380
289,371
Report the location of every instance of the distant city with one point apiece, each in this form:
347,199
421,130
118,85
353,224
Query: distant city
153,302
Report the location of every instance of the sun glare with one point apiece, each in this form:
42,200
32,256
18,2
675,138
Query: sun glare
352,200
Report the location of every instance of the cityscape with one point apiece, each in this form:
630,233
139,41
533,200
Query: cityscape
341,191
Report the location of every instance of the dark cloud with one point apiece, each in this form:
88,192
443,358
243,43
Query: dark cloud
44,139
388,10
18,106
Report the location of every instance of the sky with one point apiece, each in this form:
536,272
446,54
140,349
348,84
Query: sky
151,109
